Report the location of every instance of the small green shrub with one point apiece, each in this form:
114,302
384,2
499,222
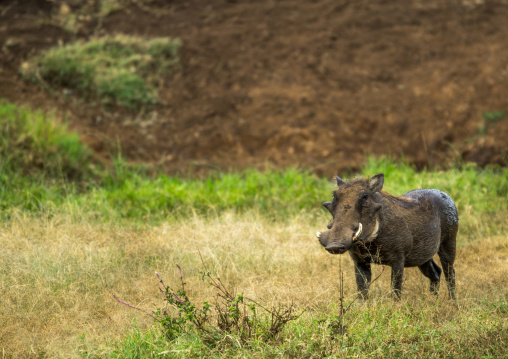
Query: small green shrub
120,70
229,317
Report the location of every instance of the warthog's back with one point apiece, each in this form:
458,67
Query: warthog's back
430,231
442,202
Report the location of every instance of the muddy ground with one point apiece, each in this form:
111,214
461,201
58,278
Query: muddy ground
317,84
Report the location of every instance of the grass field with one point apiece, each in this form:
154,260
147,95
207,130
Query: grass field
59,277
69,243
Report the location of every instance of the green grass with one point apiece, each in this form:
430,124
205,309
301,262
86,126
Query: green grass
41,161
130,193
46,168
273,193
39,157
120,70
380,330
34,143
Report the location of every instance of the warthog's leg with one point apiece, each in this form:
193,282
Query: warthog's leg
363,275
432,271
446,254
397,275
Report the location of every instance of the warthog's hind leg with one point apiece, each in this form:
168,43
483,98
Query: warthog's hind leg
432,271
446,254
449,273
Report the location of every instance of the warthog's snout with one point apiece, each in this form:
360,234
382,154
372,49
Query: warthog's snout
336,248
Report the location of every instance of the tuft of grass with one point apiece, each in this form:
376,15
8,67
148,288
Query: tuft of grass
117,70
40,159
231,314
34,143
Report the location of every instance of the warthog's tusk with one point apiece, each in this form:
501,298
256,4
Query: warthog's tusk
357,234
318,234
375,232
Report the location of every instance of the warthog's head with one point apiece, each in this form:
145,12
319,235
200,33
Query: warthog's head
355,214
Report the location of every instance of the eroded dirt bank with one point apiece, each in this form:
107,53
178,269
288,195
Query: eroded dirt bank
319,84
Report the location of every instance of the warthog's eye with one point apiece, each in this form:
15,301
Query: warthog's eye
362,202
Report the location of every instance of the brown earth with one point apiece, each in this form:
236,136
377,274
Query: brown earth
318,84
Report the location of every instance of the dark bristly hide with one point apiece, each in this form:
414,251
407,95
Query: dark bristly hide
406,231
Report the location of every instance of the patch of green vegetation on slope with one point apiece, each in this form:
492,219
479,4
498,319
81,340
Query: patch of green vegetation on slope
39,159
120,70
33,143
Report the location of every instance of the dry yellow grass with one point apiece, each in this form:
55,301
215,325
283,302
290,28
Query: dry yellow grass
58,276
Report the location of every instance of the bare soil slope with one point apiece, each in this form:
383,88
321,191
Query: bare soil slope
319,84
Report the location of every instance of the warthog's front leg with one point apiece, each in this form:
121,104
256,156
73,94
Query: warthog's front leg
397,274
363,275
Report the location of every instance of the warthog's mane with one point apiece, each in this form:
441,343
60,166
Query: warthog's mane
357,180
399,201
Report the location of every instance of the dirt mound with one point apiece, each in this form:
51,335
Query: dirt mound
319,84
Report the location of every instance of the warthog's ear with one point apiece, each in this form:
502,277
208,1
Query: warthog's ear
340,182
376,182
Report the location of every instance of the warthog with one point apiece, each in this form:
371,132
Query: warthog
405,231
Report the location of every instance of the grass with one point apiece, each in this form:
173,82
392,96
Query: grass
45,168
70,243
59,277
118,70
130,194
32,142
39,157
